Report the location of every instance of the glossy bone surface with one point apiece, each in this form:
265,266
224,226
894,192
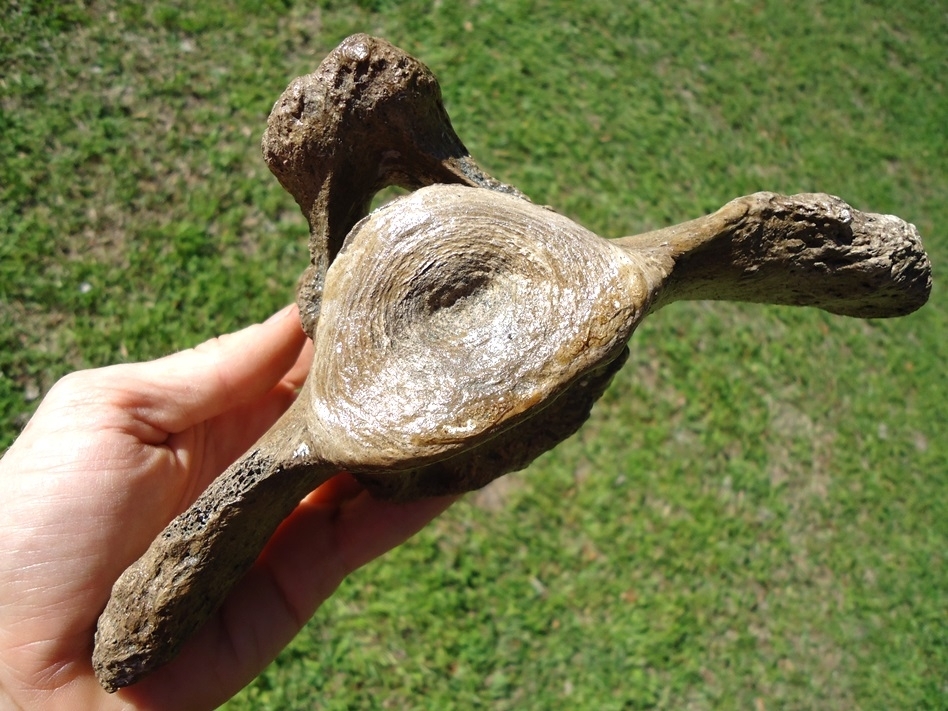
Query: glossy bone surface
460,331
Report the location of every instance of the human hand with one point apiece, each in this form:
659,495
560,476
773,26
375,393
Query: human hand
109,458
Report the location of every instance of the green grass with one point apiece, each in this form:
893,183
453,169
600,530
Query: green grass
756,515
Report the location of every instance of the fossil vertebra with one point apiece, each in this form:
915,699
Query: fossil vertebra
460,331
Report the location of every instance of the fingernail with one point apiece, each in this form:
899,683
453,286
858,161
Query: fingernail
281,314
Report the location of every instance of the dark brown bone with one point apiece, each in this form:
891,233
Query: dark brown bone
369,117
461,330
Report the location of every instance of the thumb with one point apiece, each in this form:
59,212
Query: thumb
183,389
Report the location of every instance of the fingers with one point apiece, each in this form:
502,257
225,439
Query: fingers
335,530
368,527
183,389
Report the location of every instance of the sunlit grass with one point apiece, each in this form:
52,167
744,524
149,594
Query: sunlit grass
755,516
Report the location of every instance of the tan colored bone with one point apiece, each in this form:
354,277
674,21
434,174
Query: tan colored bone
369,117
461,331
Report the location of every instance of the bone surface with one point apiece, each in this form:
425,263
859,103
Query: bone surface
461,331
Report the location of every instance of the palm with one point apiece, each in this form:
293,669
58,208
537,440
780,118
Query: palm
109,459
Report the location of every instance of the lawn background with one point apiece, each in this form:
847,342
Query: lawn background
756,514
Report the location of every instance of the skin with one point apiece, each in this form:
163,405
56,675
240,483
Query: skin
109,458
